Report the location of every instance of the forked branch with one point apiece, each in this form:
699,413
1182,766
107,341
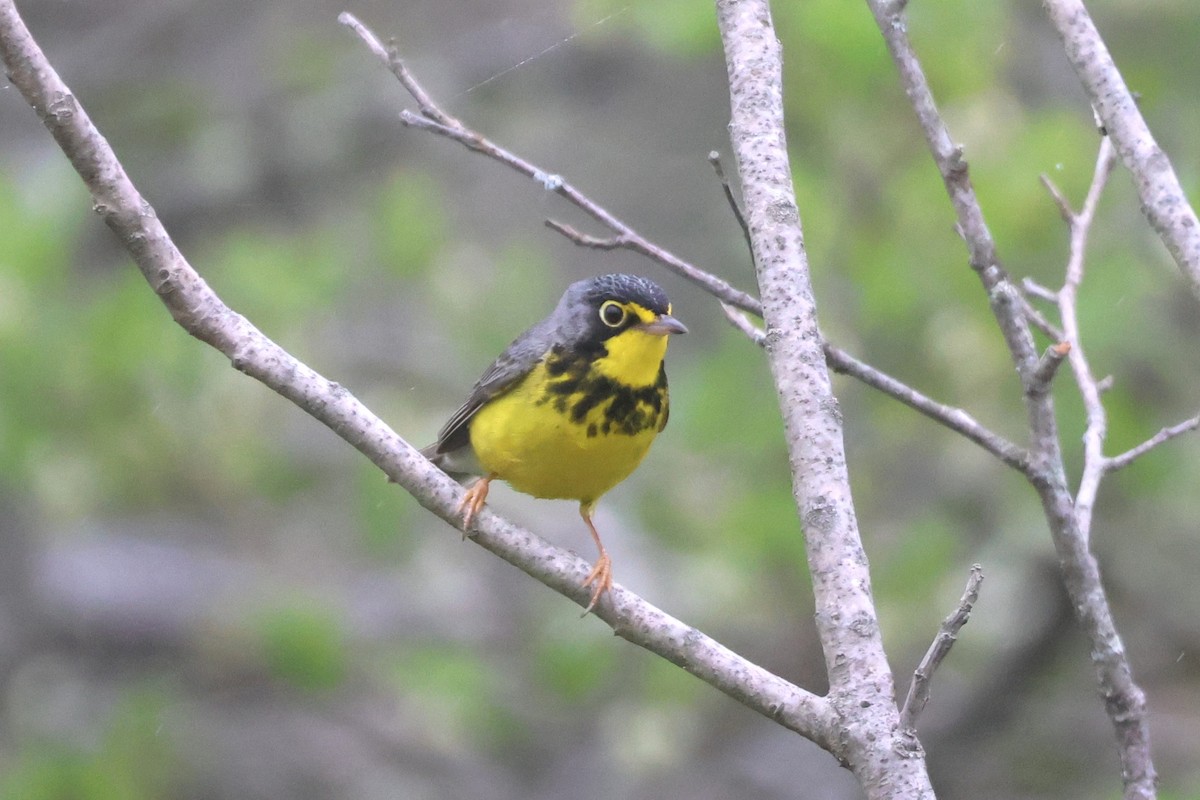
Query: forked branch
734,303
1163,200
433,119
1125,701
202,313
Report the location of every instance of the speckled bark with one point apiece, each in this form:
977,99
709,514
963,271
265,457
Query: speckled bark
1124,700
888,764
194,305
1163,200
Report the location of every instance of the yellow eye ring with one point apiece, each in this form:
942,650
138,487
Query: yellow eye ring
613,314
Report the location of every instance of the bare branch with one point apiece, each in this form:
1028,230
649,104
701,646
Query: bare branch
626,238
202,313
434,120
739,320
1165,435
1038,320
918,690
1031,288
1064,207
956,419
714,158
1163,200
1089,388
1035,289
1125,701
585,240
1047,368
948,156
860,680
391,58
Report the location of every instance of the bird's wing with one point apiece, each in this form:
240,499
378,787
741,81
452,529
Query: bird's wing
505,372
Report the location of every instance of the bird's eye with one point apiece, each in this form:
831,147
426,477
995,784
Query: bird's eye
612,314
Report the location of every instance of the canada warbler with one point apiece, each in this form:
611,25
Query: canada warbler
571,407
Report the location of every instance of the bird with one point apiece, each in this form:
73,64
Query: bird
571,407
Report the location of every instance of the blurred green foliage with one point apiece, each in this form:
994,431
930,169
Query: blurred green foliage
130,761
455,694
304,646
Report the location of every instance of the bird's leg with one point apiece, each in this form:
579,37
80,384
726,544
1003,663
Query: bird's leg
600,578
472,501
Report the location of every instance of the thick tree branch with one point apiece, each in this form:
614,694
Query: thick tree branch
202,313
1124,699
1163,200
733,305
861,686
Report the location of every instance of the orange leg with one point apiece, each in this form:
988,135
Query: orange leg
600,578
472,501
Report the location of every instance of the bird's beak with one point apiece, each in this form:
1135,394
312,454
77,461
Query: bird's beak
663,325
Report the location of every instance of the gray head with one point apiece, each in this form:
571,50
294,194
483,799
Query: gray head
596,309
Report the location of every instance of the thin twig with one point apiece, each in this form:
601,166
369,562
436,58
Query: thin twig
1080,226
1036,318
1064,207
714,158
738,319
956,419
1165,435
1031,288
433,119
1035,289
196,307
391,57
587,240
1163,200
1125,702
918,690
625,237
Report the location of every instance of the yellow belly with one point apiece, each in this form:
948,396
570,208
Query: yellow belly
528,441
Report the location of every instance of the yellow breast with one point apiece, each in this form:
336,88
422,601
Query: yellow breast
573,428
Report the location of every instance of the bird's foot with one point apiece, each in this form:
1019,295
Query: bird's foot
473,500
600,579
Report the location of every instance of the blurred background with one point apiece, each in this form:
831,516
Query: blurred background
205,594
